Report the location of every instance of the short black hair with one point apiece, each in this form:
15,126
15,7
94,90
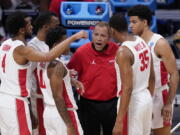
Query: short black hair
43,19
55,35
142,11
119,22
15,21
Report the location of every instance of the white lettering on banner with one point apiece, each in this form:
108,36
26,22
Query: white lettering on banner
82,22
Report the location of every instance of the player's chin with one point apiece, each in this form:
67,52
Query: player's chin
135,32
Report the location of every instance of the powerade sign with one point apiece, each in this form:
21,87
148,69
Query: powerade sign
81,22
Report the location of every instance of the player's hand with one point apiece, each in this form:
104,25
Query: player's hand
81,34
118,129
78,85
73,73
71,130
167,114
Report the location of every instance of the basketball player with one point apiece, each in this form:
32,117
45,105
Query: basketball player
135,80
55,83
14,59
166,73
42,24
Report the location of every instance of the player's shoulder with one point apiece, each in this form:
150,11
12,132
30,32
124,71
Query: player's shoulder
56,68
162,46
162,42
56,64
154,39
157,37
131,43
7,41
34,42
124,51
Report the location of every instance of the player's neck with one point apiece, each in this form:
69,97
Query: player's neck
41,35
126,37
19,37
146,35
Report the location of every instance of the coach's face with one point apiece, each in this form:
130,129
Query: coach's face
136,25
100,37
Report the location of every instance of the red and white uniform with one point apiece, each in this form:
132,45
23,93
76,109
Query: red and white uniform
53,122
14,90
161,85
43,47
140,106
37,98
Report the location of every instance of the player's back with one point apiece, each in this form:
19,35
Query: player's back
44,83
14,77
141,65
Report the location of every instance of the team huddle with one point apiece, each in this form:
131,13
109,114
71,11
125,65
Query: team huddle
140,76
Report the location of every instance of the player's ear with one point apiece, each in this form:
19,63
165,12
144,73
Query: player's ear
22,31
112,31
145,22
46,26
